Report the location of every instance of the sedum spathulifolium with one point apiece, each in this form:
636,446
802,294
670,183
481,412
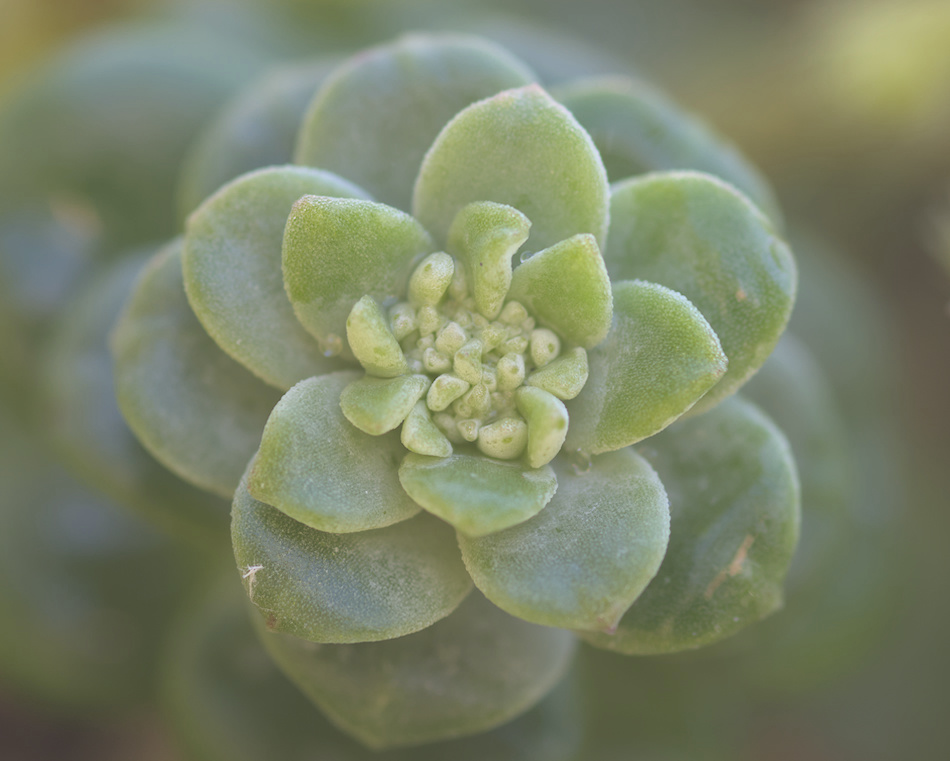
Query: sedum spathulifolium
470,398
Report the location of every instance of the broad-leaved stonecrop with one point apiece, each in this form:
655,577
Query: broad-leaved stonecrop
473,328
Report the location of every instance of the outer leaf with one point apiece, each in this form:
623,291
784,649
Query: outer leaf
478,495
567,288
233,276
337,251
585,558
194,408
658,359
358,587
319,469
226,700
698,236
734,500
88,428
378,114
522,149
474,670
637,129
257,129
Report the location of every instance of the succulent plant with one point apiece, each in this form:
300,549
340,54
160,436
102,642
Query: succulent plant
441,351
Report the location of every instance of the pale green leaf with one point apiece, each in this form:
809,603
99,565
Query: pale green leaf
194,408
357,587
566,287
337,251
522,149
470,672
658,359
318,468
584,558
232,266
379,405
378,114
697,235
637,129
734,501
478,495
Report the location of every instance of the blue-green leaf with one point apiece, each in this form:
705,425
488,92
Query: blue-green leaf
232,267
358,587
522,149
318,468
194,408
734,500
470,672
695,234
587,555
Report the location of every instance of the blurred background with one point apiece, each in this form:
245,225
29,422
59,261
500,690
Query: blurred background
845,107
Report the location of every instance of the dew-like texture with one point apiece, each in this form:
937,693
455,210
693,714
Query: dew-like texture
659,358
256,129
585,558
194,408
319,469
734,501
566,287
697,235
637,129
471,671
232,267
478,495
358,587
523,149
336,251
378,114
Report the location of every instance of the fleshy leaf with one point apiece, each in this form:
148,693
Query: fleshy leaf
658,359
358,587
519,148
585,558
470,672
564,377
336,251
478,495
257,129
419,434
484,236
695,234
379,405
566,287
319,469
419,83
734,502
637,129
372,342
88,429
231,262
194,408
547,421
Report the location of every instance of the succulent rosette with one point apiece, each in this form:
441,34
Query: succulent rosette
441,351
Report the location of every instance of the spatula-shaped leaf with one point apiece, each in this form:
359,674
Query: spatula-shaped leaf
378,114
232,266
318,468
478,495
567,288
522,149
693,233
336,251
474,670
637,129
658,359
734,501
358,587
587,555
194,408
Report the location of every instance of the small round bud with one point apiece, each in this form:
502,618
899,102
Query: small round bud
545,346
431,278
510,372
505,439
